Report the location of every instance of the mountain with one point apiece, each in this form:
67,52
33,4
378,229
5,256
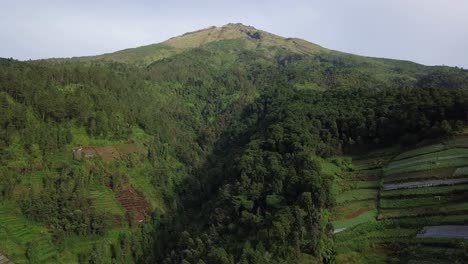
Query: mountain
231,145
250,37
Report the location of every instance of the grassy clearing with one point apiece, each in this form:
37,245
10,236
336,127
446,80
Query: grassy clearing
357,195
105,201
143,184
442,173
363,218
340,212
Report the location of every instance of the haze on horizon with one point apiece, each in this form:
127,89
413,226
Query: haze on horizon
430,32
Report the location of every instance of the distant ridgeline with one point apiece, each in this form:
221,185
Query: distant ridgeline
211,147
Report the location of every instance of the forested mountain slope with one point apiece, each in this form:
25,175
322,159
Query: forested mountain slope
211,147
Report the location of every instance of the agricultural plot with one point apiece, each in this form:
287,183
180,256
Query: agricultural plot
444,231
433,174
442,159
460,172
420,151
427,191
105,202
17,232
343,212
357,204
453,208
419,184
357,195
360,217
414,202
421,187
458,142
133,202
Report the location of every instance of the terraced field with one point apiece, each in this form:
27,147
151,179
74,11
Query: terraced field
17,232
421,208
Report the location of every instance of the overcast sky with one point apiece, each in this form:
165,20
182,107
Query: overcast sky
426,31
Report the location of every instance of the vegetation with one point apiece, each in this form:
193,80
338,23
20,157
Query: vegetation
226,151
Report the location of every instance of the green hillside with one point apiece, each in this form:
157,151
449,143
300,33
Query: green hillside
230,145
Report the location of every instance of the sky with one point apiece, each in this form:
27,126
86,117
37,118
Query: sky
431,32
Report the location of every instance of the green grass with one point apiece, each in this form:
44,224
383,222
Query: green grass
461,172
442,159
428,210
417,201
143,184
105,201
402,213
17,231
436,190
76,244
340,212
459,142
441,173
363,218
357,195
420,151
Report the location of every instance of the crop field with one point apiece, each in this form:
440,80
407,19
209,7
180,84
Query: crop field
17,232
422,187
357,195
105,201
460,172
426,191
365,216
419,201
433,174
459,141
460,207
419,184
421,151
342,212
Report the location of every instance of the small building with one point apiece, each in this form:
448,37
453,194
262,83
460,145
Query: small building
84,152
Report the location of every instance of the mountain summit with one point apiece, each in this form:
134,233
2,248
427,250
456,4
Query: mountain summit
249,36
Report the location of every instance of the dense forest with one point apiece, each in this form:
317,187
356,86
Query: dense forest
233,139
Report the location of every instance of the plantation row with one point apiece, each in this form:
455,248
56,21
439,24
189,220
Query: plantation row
420,205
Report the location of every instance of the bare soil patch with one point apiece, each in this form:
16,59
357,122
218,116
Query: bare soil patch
133,202
358,213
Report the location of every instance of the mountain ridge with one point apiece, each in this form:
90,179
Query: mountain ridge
254,38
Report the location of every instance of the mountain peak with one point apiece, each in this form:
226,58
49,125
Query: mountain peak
239,26
252,37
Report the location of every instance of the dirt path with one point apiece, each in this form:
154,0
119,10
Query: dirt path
419,184
444,231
